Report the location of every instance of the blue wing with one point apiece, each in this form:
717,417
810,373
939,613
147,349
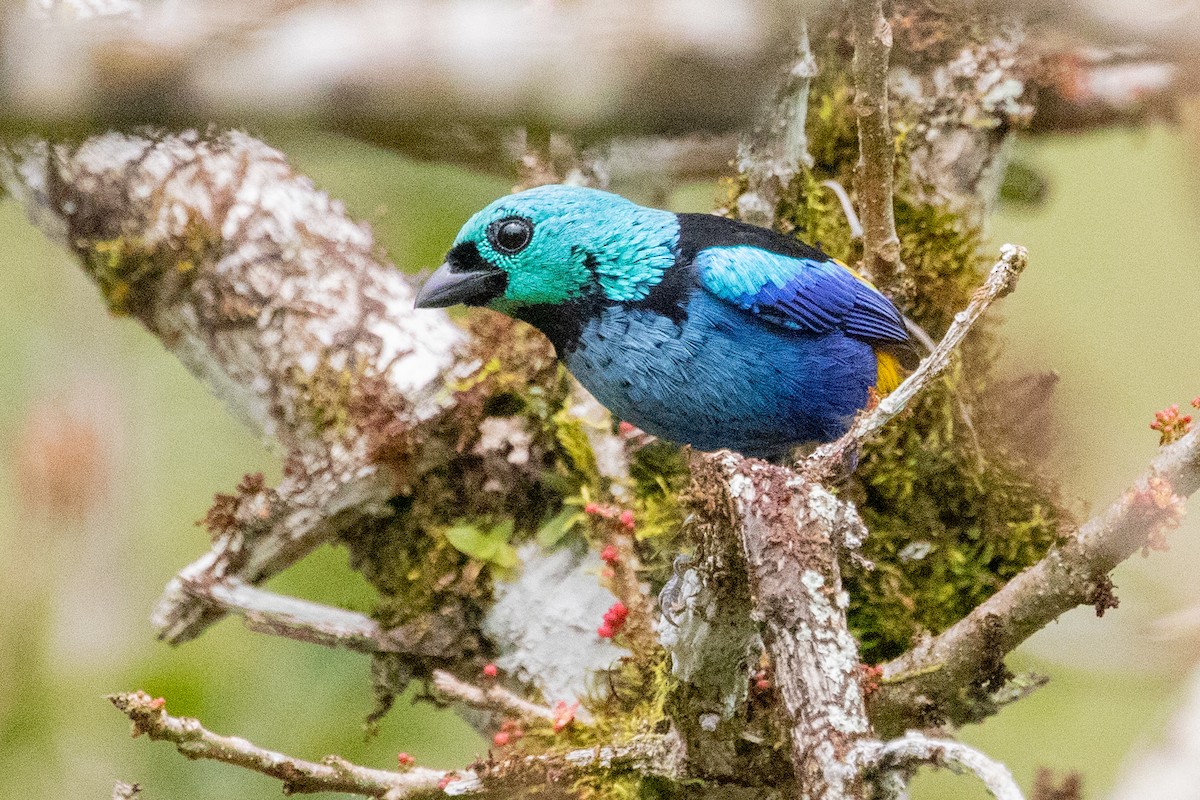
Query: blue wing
802,293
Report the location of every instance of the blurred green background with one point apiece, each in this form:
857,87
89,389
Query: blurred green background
111,451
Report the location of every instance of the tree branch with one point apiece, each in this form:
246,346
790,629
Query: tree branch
495,698
877,145
941,677
828,459
914,750
789,532
397,70
333,774
779,146
435,638
648,754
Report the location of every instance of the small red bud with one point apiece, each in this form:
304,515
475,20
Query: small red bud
501,738
446,780
610,554
564,714
627,519
614,620
625,428
762,684
592,508
405,760
490,671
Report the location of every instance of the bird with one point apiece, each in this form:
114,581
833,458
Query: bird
697,328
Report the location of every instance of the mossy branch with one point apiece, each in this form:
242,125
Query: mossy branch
941,676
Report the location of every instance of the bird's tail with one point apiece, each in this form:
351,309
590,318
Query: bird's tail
888,374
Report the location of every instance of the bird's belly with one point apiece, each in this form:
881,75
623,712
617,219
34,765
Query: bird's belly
721,379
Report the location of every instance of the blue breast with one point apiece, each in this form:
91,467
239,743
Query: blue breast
721,378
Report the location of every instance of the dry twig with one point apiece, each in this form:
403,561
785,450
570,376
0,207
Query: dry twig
877,146
826,460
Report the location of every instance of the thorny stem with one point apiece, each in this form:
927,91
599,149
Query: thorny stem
828,459
877,146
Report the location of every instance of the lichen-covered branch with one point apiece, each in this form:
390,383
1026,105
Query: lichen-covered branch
915,749
397,69
877,145
770,158
269,293
826,460
436,637
941,678
650,754
790,532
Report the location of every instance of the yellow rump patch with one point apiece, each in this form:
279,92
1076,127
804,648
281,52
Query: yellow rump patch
887,374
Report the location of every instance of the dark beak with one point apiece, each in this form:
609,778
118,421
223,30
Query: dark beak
449,286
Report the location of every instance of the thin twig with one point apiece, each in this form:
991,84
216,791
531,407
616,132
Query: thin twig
877,147
658,755
915,749
936,678
333,774
490,697
438,636
827,459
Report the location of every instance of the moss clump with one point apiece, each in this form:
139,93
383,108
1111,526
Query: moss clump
126,267
327,393
952,510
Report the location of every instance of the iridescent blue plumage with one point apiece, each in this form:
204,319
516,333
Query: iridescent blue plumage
693,327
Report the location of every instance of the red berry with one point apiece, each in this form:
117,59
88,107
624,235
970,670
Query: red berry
501,738
592,508
605,631
610,554
627,519
490,671
625,428
405,760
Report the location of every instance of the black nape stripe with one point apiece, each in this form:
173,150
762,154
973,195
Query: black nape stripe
700,231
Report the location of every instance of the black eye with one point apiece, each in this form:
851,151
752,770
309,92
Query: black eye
510,235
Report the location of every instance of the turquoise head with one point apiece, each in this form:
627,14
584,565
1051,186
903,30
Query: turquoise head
555,245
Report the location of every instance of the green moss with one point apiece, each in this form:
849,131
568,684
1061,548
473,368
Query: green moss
326,393
126,266
953,513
